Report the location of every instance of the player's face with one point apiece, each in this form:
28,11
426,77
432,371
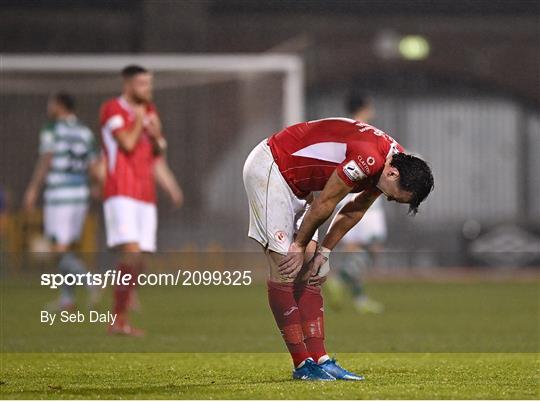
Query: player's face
389,185
365,114
52,108
140,87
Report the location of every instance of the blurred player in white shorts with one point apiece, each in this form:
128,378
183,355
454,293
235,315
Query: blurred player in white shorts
134,147
67,157
363,243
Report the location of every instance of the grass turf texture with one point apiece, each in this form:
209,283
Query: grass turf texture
262,376
496,323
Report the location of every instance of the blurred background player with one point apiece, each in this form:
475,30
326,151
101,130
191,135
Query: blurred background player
363,243
67,165
134,146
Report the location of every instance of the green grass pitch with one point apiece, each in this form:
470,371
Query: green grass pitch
264,375
435,340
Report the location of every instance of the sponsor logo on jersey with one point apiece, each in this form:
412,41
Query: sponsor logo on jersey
370,160
353,171
364,164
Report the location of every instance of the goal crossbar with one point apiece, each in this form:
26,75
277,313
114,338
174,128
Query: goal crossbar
290,65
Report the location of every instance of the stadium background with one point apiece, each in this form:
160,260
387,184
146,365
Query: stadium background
461,289
470,105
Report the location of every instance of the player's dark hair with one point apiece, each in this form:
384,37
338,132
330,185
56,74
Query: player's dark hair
132,70
65,99
415,177
355,102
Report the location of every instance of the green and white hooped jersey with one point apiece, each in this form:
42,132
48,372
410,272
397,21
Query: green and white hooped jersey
73,147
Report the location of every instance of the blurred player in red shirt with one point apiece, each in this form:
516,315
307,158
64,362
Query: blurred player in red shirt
335,156
133,145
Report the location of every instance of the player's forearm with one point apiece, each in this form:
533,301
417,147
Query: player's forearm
97,171
165,178
160,144
317,214
128,139
348,217
342,223
40,172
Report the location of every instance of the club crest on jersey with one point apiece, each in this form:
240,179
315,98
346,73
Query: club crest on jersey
353,171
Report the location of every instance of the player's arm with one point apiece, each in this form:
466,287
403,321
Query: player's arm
348,217
166,180
345,219
156,134
321,209
36,182
127,138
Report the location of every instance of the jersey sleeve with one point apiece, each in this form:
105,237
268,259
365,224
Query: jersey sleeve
46,139
112,119
362,161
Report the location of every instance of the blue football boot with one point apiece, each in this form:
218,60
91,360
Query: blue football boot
338,372
311,371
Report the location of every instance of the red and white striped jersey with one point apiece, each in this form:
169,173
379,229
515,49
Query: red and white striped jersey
128,174
308,153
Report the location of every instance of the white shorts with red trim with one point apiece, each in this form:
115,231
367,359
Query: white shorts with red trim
128,220
275,212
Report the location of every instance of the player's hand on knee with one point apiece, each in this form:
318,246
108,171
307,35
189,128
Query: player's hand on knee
292,263
320,264
320,267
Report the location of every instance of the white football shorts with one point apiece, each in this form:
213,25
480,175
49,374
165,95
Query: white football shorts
275,212
128,220
63,223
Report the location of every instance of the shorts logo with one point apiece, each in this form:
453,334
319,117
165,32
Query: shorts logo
371,161
280,236
353,171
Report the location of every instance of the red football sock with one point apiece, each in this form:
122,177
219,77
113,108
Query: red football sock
283,305
122,293
310,303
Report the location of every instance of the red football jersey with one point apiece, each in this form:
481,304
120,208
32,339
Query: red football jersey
128,174
308,153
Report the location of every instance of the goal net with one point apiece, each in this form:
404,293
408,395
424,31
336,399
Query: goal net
214,110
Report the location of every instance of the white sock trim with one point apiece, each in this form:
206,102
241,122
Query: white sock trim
303,362
323,359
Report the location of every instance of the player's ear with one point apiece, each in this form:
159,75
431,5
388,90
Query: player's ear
392,173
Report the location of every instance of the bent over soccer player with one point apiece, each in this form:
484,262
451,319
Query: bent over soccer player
336,156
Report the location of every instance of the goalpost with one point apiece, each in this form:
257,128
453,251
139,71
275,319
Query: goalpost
289,65
214,109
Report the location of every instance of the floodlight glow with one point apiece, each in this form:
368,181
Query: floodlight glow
414,47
